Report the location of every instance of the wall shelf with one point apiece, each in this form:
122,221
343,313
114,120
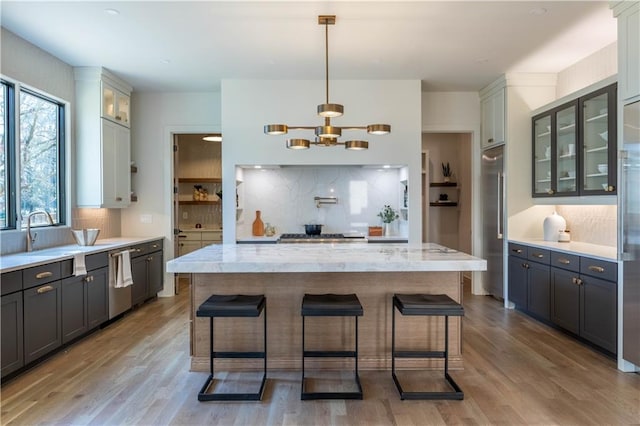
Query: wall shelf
441,184
200,180
198,203
444,204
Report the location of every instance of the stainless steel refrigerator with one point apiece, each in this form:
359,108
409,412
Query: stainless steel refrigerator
493,207
629,241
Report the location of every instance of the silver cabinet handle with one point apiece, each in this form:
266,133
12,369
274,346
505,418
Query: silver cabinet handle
44,275
564,261
517,250
538,255
576,281
599,269
88,278
500,212
45,289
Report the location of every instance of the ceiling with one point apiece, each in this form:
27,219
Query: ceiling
192,46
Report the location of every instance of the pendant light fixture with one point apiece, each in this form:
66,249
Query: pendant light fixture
327,135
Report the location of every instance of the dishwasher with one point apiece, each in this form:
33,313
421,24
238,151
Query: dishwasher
119,298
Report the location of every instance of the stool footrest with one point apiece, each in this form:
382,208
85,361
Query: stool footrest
456,394
419,354
203,396
238,354
332,395
330,354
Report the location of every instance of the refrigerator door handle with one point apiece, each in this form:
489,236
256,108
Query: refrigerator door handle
500,202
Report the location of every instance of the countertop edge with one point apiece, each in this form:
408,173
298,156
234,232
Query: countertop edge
606,253
23,260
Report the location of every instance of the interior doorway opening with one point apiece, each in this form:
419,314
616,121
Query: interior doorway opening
447,202
197,194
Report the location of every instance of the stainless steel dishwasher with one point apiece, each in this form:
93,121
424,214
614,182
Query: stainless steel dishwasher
119,298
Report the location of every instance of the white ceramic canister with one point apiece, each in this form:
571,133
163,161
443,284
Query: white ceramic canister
552,225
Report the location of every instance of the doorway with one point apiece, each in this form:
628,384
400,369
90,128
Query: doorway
197,194
448,202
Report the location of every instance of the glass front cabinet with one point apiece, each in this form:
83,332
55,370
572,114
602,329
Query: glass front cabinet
574,147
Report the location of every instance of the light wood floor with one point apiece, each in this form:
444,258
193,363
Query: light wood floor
136,372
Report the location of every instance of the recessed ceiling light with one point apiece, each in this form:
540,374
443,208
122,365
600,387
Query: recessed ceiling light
386,166
538,11
112,12
257,167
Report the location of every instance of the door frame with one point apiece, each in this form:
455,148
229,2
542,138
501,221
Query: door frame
170,133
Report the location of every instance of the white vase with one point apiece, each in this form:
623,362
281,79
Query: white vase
552,225
388,231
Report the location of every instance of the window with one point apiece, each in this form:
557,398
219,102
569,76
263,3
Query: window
33,167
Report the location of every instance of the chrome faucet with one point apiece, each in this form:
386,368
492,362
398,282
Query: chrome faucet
30,239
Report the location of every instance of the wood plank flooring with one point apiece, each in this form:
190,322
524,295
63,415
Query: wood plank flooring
135,371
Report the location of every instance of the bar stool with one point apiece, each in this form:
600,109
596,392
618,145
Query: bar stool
331,305
233,306
427,305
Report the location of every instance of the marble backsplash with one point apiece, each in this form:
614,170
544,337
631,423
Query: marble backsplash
285,197
591,224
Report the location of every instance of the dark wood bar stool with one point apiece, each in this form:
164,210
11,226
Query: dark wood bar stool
331,305
233,306
427,305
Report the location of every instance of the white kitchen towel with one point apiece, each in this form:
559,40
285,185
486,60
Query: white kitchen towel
123,275
79,268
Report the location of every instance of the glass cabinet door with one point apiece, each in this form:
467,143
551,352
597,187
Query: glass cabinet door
542,155
108,102
598,112
565,150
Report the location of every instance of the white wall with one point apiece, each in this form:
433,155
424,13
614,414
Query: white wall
593,68
248,105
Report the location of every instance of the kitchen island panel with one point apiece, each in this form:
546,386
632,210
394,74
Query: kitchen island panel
284,292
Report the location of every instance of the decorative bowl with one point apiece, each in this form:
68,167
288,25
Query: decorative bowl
603,168
86,236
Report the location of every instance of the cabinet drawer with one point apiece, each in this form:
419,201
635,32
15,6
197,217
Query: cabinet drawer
519,250
215,236
38,275
139,250
538,255
96,261
154,246
190,236
599,268
570,262
10,282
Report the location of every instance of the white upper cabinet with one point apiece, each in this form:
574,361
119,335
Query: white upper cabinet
103,139
628,14
492,131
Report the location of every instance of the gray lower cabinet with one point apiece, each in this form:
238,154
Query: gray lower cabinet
565,306
11,332
97,297
576,293
586,304
538,291
85,299
529,287
74,308
147,272
42,320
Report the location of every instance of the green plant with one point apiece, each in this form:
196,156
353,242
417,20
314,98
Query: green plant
446,170
388,214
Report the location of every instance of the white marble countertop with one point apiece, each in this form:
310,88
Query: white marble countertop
310,257
607,253
15,261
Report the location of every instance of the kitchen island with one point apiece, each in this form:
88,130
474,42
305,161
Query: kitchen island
285,272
